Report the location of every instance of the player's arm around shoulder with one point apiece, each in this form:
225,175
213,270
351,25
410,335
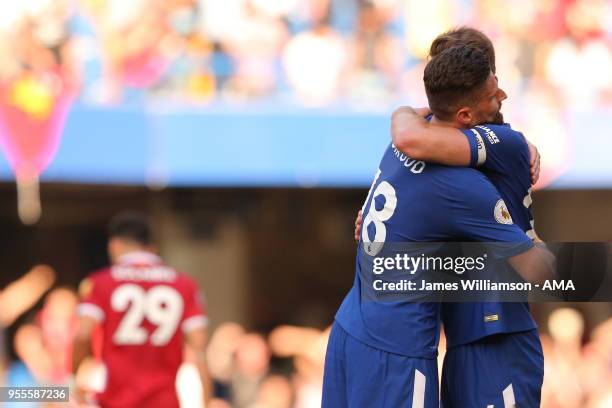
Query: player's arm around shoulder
421,140
491,145
480,214
502,148
536,265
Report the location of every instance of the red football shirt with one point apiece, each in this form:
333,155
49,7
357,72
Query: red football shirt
144,308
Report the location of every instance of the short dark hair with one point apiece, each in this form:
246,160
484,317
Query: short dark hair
464,36
132,226
454,77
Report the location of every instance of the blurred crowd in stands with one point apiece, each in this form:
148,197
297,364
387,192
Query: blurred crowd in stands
282,368
554,57
364,53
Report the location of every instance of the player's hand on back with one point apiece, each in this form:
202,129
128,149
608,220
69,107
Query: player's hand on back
358,222
423,112
534,162
535,265
536,238
411,112
407,118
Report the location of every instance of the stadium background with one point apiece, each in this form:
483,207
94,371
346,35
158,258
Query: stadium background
250,130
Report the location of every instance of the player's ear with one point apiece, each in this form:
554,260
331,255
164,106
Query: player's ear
464,116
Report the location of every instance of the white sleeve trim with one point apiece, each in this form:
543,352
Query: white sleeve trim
194,322
482,149
90,310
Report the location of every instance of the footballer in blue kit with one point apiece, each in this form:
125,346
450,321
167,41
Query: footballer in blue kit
500,355
494,356
383,354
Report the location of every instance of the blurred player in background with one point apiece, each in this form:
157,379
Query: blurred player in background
147,312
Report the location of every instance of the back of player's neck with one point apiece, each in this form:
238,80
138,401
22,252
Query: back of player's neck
437,121
127,250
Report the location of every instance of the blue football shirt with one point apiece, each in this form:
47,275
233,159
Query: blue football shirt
414,201
502,154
